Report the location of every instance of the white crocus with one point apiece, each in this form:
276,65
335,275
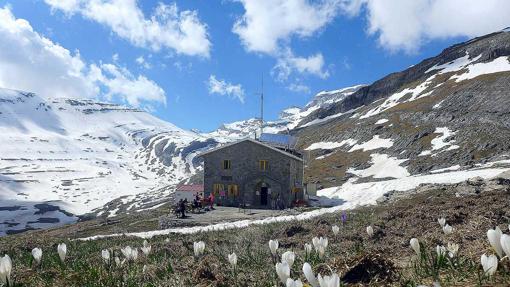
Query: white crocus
370,231
320,244
441,221
489,264
494,236
117,261
198,248
294,283
505,244
283,271
105,254
415,245
440,250
308,248
126,251
5,269
335,229
146,250
273,246
37,254
232,259
447,229
289,257
310,277
62,251
329,281
453,249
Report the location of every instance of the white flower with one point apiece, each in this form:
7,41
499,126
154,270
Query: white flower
146,250
283,271
198,248
335,229
329,281
232,258
494,236
106,255
453,249
144,269
441,221
130,253
489,264
145,243
447,229
308,248
37,254
440,250
273,246
292,283
62,251
415,245
310,277
5,269
117,261
505,244
320,245
370,231
288,256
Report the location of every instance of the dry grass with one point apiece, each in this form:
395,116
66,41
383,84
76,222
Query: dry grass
384,260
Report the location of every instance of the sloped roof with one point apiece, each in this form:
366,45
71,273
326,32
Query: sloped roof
253,141
190,188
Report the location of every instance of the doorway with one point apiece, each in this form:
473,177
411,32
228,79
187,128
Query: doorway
263,195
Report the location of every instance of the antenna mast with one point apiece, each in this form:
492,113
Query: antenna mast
262,107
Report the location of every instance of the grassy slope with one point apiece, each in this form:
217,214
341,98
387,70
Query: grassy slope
385,259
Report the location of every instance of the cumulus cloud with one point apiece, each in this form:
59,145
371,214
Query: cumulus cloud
224,88
265,24
299,88
268,27
143,63
406,25
167,27
31,62
288,63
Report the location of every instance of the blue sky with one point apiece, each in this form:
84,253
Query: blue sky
346,43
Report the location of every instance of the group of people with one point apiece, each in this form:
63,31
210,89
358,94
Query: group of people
198,203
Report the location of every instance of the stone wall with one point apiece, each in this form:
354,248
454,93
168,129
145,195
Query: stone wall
283,172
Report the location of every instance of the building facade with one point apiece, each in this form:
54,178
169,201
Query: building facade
252,173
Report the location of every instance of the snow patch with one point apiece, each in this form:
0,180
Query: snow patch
375,143
440,143
381,121
383,166
331,145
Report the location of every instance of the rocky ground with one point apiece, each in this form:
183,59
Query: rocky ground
471,207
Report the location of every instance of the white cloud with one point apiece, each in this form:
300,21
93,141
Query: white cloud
223,88
143,63
31,62
265,24
288,63
268,27
299,88
406,25
167,27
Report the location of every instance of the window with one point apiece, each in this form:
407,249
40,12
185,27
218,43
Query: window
227,164
263,164
226,178
233,190
217,189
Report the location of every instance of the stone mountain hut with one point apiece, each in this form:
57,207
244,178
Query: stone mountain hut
260,173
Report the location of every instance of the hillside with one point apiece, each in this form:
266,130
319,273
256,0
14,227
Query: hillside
436,121
384,259
67,157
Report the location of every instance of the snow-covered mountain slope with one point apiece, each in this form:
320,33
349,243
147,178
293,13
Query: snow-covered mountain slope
289,119
441,120
61,157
